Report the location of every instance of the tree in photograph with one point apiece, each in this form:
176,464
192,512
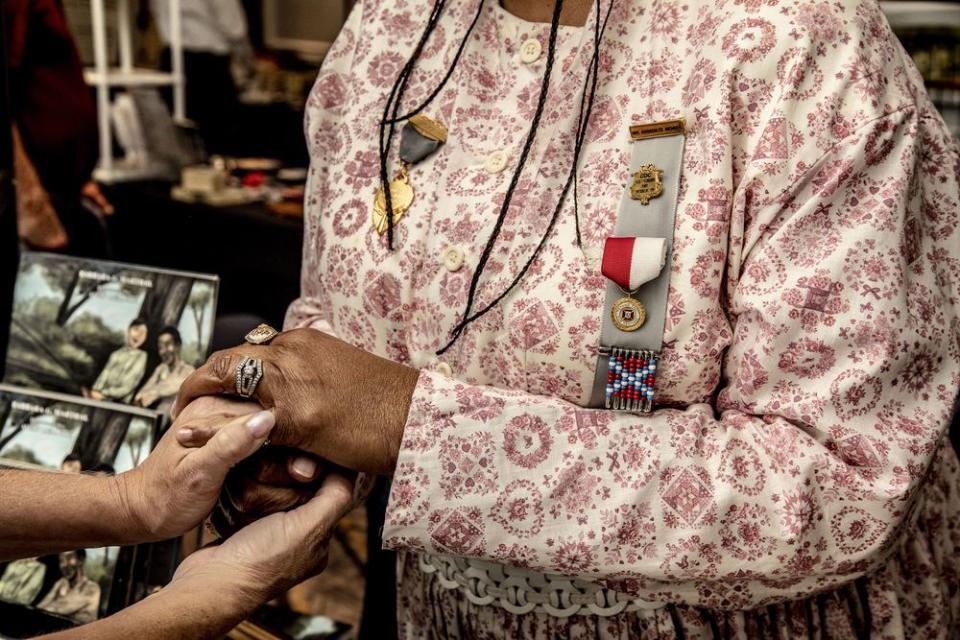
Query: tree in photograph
137,436
13,422
101,437
200,299
65,275
163,305
22,454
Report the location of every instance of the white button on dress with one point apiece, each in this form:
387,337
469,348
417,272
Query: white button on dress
530,51
453,258
496,161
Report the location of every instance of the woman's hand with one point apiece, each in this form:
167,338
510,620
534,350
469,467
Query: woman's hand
272,554
339,402
272,480
216,588
175,488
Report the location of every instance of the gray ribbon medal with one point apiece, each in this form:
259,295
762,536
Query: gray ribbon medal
420,137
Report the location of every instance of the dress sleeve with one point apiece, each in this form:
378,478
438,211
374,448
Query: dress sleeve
836,396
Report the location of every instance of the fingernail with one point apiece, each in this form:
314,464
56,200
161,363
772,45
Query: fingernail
260,424
173,407
184,434
305,467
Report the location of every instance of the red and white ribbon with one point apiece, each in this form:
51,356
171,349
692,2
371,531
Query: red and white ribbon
631,262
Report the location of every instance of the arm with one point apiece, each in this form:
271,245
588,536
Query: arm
47,599
56,512
838,386
171,385
176,612
37,220
170,493
217,587
150,391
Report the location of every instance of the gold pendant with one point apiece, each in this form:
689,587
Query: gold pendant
628,314
647,183
401,197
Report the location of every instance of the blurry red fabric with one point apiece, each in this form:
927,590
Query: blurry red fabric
51,103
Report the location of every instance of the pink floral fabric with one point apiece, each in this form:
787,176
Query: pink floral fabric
797,453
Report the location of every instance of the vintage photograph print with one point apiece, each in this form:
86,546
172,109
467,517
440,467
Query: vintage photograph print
108,331
51,431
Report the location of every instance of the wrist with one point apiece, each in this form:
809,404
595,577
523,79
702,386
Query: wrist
234,591
130,507
405,387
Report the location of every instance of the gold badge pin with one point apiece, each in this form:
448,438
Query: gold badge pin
659,129
647,183
628,314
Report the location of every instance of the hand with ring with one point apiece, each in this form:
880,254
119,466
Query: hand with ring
336,401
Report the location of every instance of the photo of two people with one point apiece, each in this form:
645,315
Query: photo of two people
108,331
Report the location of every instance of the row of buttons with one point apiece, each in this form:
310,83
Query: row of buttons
497,161
453,257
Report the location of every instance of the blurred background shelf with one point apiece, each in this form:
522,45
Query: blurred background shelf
118,77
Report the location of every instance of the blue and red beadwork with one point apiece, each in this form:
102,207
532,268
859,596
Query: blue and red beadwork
631,379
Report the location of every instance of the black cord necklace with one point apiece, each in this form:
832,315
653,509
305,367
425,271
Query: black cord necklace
390,119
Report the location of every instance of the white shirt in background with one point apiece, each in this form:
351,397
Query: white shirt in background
212,26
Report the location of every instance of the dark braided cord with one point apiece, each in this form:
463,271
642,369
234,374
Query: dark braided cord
387,124
582,126
594,64
515,179
450,68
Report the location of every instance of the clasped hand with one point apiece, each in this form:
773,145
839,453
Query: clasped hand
175,488
340,403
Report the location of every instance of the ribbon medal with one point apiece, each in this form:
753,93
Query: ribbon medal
629,263
419,138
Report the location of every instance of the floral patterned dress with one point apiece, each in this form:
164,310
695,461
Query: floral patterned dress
794,478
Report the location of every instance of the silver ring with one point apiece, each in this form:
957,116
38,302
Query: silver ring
247,376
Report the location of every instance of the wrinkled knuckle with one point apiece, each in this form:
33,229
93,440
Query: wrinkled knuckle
195,482
221,365
284,431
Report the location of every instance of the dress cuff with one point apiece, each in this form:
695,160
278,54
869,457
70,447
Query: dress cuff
405,524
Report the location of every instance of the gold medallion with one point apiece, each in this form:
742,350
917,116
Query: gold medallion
401,197
628,314
647,183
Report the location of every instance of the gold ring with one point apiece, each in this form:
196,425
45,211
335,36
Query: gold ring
262,334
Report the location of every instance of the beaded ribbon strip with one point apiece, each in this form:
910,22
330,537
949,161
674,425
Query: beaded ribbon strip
631,378
521,591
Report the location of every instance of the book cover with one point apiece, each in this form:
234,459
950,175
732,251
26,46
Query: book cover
107,330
